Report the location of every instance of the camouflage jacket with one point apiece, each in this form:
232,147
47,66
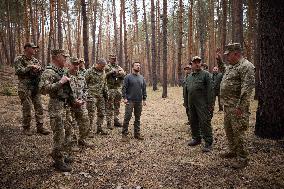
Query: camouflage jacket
28,78
96,82
114,79
78,86
199,88
49,84
237,84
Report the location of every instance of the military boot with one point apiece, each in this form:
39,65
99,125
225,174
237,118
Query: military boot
85,144
27,131
124,138
100,131
68,159
228,155
42,130
240,163
117,123
109,125
62,166
138,136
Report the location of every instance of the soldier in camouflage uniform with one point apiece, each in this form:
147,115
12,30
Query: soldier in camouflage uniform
236,88
114,76
199,99
96,82
28,70
187,70
55,83
78,110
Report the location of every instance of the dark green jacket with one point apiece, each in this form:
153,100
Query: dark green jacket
199,88
217,78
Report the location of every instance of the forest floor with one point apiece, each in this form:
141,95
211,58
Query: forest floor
162,160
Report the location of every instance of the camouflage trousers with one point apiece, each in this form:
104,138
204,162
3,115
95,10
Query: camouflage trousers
137,107
113,105
97,103
76,117
58,124
201,122
91,107
235,128
29,99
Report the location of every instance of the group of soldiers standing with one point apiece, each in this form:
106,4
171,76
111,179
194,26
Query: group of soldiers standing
233,86
75,94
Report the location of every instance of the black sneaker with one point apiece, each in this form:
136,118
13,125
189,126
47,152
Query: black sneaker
194,142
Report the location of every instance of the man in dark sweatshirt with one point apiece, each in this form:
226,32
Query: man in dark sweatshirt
134,95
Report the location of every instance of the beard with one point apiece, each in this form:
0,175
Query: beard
136,70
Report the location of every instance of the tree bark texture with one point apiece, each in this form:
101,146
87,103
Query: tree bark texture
270,111
153,46
165,50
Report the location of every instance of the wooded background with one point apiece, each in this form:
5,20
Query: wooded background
162,35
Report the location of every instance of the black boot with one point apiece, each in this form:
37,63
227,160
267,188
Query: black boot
117,123
42,130
62,166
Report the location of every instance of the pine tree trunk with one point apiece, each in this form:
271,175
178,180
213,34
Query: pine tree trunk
59,25
126,58
165,50
153,46
179,42
190,29
270,111
69,40
78,47
32,21
201,27
120,57
94,32
51,31
212,51
224,25
237,21
159,42
43,14
85,33
115,44
251,29
26,22
99,44
147,44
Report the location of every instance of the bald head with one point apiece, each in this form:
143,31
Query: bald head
215,69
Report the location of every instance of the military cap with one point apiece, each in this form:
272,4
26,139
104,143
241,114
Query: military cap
56,52
29,44
74,60
195,58
102,61
112,56
81,60
205,65
231,47
186,67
